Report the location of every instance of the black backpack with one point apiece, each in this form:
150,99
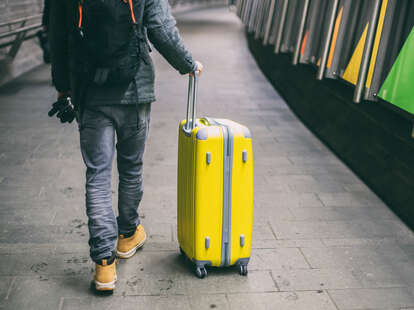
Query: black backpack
108,40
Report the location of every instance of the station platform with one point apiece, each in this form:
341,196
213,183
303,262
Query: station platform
322,239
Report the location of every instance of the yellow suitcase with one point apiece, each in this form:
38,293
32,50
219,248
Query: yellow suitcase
215,190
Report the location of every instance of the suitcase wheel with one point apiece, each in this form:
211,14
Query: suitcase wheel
182,252
201,272
243,270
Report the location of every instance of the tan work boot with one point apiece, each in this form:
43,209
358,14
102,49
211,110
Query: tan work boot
105,276
128,246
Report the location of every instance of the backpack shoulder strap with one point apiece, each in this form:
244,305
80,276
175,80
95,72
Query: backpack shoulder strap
131,10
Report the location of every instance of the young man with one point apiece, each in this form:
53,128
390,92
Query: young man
101,63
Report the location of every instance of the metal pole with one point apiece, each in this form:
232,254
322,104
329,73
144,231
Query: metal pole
256,15
281,26
300,34
366,56
265,17
245,4
259,19
269,22
239,7
252,17
245,7
328,39
248,12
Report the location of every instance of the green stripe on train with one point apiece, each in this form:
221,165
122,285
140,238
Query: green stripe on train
398,86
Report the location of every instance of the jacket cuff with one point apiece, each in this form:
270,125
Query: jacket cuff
190,66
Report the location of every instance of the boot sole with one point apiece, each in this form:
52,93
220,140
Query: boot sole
131,252
110,286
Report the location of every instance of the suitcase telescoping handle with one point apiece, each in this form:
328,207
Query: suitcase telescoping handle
191,102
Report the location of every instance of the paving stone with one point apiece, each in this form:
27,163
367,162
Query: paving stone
352,255
262,231
156,262
271,161
315,279
334,172
71,248
210,301
287,149
145,284
23,248
45,263
271,170
338,229
229,281
159,232
278,258
358,187
74,303
45,292
340,213
5,287
311,159
36,215
311,300
315,187
287,199
291,179
358,242
372,298
128,303
300,243
381,265
355,199
42,234
407,244
264,212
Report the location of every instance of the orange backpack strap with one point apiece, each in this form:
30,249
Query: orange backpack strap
80,14
131,8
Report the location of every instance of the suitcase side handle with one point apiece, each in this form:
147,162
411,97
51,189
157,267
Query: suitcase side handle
191,101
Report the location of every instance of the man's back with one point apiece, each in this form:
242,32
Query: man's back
154,21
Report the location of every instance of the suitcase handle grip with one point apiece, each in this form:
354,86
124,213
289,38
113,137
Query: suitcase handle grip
191,101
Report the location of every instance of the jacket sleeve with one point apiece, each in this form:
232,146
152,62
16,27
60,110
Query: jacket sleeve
58,36
164,35
45,16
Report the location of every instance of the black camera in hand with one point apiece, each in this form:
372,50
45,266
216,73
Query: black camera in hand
64,108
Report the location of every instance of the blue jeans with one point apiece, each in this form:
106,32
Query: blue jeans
98,126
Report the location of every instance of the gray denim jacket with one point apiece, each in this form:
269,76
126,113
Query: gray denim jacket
160,28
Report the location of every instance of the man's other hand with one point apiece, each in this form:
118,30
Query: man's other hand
64,109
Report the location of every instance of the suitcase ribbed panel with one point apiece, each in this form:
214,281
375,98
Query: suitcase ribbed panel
185,193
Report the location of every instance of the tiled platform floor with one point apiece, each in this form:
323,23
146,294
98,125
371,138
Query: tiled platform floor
322,239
